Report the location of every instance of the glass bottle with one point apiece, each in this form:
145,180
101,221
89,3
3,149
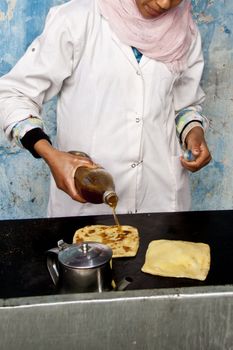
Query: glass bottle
95,185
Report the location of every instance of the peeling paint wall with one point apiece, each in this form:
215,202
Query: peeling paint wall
213,186
25,181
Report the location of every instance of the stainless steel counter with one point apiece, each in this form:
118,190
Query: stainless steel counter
191,318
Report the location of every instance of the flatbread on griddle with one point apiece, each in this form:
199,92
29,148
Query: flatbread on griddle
124,242
177,259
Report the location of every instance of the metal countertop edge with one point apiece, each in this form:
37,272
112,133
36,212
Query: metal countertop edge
177,296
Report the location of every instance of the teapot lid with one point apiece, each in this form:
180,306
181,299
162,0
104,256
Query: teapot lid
85,255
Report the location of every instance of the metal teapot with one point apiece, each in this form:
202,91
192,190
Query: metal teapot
80,268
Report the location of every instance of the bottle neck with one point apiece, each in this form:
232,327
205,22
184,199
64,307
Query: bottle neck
110,198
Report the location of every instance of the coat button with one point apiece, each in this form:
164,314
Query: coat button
133,165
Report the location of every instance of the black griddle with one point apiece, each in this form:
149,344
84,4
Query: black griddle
23,244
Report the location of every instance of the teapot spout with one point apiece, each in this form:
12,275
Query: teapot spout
123,284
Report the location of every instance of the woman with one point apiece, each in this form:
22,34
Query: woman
127,76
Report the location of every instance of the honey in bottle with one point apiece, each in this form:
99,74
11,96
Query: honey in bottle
95,185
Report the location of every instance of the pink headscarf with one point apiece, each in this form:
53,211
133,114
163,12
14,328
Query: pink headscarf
166,38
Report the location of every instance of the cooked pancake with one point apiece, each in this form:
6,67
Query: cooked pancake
124,242
177,259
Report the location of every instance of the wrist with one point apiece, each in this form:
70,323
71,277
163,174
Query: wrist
44,149
192,127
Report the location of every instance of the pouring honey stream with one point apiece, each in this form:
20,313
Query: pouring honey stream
112,200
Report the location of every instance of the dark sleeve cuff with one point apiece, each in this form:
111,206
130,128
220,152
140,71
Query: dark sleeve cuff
31,137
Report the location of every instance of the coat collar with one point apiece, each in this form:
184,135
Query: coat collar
128,52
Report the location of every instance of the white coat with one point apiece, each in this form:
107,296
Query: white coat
118,111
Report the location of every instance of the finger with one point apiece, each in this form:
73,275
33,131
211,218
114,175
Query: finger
78,198
195,165
70,189
83,163
189,165
196,150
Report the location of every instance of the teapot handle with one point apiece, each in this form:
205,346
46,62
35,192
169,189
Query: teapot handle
52,265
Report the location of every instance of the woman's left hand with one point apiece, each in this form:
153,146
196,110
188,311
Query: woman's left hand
195,142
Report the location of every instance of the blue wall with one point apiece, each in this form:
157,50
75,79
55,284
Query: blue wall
25,181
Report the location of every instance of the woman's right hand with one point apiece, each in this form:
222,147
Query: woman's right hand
63,166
